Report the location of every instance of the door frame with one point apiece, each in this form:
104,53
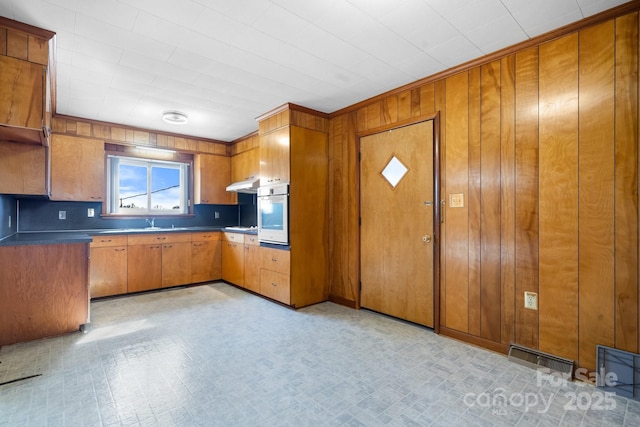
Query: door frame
438,203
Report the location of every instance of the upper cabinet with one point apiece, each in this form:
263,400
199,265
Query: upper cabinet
245,165
77,169
23,169
212,174
25,100
274,156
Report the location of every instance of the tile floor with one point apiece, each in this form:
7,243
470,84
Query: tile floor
214,355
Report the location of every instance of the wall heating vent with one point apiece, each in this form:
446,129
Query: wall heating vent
625,366
536,359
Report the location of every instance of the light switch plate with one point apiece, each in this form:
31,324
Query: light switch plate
91,212
456,200
62,214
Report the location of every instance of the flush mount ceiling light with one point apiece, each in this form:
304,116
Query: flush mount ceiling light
174,117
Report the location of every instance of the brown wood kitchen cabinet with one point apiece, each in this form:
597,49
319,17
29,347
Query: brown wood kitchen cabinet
252,263
274,156
43,291
108,266
23,169
77,169
144,257
206,257
25,95
275,279
212,174
233,258
294,148
245,165
176,259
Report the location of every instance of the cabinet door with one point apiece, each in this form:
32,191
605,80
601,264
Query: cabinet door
252,267
144,270
245,165
77,169
276,260
23,169
206,261
22,93
233,262
176,264
274,157
275,285
108,271
212,174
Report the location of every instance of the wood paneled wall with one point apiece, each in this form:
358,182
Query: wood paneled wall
121,134
543,143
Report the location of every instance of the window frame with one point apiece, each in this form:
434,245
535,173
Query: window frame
182,161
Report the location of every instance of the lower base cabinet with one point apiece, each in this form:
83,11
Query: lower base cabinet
275,278
122,263
108,263
40,295
275,285
108,271
252,264
206,258
233,258
176,264
145,267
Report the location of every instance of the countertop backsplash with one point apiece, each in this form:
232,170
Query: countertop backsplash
43,215
8,209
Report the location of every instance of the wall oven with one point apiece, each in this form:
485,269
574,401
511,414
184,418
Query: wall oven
273,214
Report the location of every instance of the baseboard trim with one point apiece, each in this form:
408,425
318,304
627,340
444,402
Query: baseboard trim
472,339
342,301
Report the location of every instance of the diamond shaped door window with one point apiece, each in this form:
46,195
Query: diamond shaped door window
394,171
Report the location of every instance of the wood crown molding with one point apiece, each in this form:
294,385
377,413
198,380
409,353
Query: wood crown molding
293,107
26,28
606,15
150,131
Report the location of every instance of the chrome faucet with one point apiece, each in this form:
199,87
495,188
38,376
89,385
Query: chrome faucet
151,222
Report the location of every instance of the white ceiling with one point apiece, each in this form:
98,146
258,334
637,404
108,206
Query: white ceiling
225,62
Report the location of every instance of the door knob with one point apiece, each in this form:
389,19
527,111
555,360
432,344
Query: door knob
426,238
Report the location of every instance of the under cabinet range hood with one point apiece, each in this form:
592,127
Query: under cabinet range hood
247,186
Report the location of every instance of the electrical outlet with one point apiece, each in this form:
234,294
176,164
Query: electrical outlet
91,213
62,214
531,300
216,215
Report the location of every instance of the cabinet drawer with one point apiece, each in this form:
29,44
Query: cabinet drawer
275,260
105,241
275,285
205,236
233,237
150,239
251,239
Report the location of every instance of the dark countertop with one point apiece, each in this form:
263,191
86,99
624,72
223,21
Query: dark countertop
46,238
85,236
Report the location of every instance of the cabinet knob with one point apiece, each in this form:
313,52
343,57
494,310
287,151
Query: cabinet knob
161,238
274,284
274,259
120,250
